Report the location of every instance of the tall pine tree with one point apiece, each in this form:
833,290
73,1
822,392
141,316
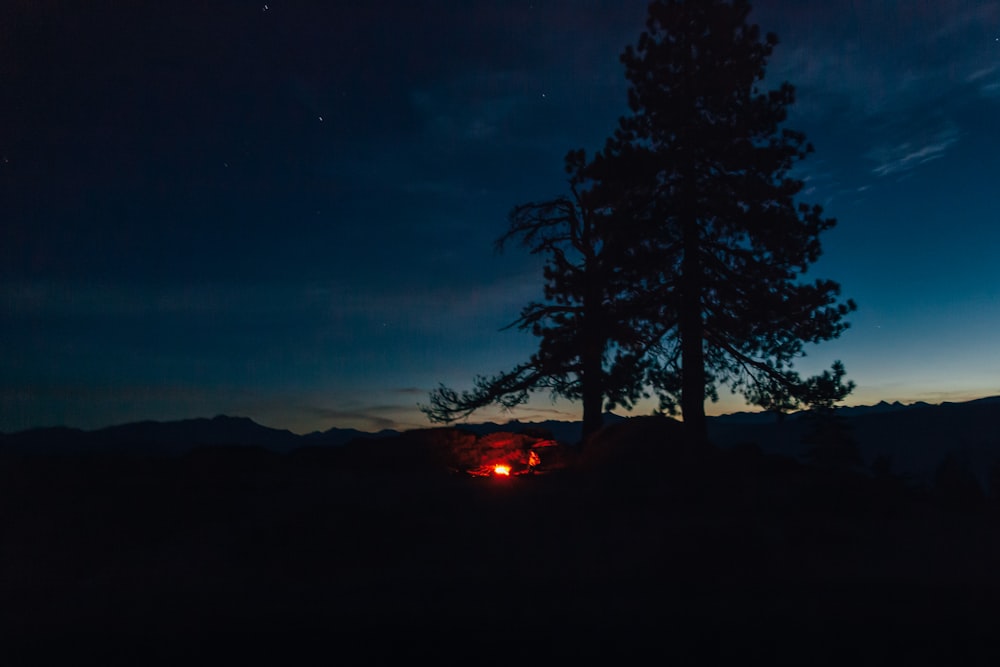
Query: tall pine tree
724,241
590,349
676,261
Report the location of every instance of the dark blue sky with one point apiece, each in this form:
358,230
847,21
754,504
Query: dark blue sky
286,210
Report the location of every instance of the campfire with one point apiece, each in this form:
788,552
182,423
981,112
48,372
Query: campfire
503,455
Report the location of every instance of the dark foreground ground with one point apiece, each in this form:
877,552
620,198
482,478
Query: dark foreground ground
673,558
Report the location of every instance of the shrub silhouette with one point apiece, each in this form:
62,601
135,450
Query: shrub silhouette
956,485
831,443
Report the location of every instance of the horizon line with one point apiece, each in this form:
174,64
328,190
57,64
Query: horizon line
512,420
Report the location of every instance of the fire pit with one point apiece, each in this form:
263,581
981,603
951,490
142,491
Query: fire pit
503,455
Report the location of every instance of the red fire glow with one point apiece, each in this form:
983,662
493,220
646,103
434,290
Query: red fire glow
501,469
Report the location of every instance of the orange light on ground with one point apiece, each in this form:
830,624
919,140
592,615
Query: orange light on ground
501,469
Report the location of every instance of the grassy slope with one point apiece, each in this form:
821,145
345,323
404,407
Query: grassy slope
641,546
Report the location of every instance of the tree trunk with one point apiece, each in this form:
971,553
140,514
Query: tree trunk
591,380
593,413
693,377
692,334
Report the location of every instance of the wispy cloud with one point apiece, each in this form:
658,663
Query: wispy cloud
964,15
990,89
904,156
893,80
883,56
27,297
981,73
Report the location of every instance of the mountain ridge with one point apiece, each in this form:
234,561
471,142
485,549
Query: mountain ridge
908,441
221,424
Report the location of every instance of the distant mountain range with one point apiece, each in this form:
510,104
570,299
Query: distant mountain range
174,437
852,411
913,438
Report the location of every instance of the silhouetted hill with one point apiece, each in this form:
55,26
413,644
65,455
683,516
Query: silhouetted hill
178,437
567,432
911,439
879,408
760,417
644,544
151,438
341,436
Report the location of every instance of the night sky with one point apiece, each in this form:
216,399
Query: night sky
286,211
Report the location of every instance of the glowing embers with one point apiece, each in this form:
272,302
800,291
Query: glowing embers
499,469
504,455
